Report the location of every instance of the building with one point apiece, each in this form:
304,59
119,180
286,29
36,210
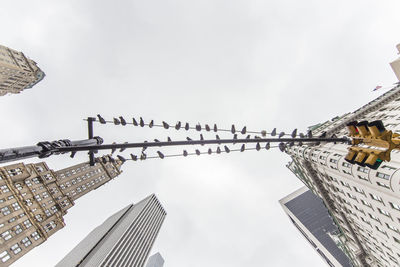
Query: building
34,199
364,202
17,72
124,239
155,260
396,65
308,213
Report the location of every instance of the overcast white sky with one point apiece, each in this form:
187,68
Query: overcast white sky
264,64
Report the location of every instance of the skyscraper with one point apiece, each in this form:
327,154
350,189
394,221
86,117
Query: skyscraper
364,202
124,239
308,213
34,199
155,260
17,72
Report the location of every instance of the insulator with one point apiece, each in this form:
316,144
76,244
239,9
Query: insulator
242,148
165,125
116,121
281,134
198,127
141,122
273,133
267,146
218,150
151,124
187,126
134,122
215,128
161,155
198,152
207,127
282,147
121,158
133,157
178,125
258,147
294,133
185,153
101,119
233,130
244,130
123,121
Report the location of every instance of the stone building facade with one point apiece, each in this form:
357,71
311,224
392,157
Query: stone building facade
34,199
17,72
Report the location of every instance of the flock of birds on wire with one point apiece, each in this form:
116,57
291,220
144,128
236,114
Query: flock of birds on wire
186,126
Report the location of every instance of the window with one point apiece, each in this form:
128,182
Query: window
375,197
346,164
38,217
394,206
18,186
333,160
352,196
373,217
384,212
388,167
26,242
346,172
396,240
359,190
4,256
27,224
345,184
18,229
380,230
15,206
362,169
35,235
6,235
383,185
4,188
15,248
5,211
51,225
362,178
391,227
383,175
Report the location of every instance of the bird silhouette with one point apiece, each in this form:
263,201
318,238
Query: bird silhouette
244,130
101,119
207,127
116,121
242,148
151,124
134,122
141,122
165,125
161,155
187,126
273,133
178,125
123,121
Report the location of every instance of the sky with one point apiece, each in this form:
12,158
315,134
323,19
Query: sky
261,64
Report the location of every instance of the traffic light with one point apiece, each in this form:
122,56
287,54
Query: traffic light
369,157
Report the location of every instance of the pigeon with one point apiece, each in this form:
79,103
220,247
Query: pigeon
209,151
198,152
187,126
273,133
116,121
294,133
218,150
134,122
244,130
133,157
123,121
141,123
161,155
242,148
258,147
151,124
207,128
178,125
198,127
101,119
215,128
165,125
185,153
121,158
233,130
267,146
227,150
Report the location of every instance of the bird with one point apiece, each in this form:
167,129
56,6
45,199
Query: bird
281,147
101,119
121,158
235,137
202,139
267,146
264,133
161,155
209,151
143,156
215,128
273,133
141,123
198,152
242,148
116,121
133,157
178,125
165,125
301,135
248,136
169,139
185,153
233,130
217,137
151,124
156,140
123,121
300,143
188,138
281,134
309,134
323,135
294,133
134,122
227,150
72,154
198,127
218,150
187,126
258,147
123,148
207,127
244,130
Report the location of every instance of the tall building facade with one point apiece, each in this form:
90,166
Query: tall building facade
155,260
310,216
17,72
365,203
124,239
34,199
